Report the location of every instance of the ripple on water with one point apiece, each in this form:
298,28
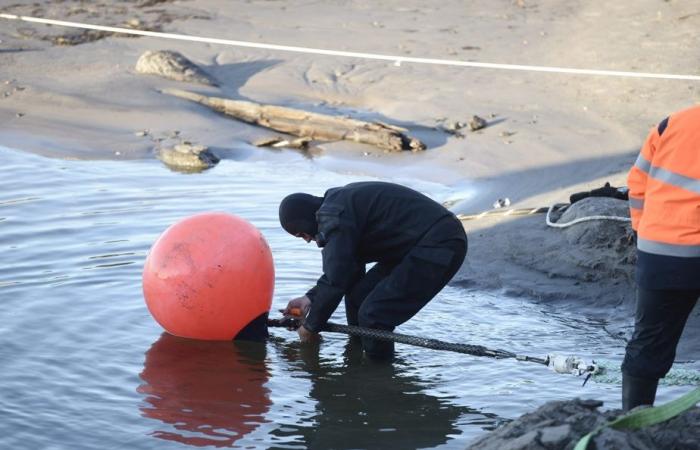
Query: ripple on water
85,366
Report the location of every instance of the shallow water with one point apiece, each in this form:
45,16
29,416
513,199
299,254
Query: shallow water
83,365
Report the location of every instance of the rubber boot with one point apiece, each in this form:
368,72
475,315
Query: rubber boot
637,391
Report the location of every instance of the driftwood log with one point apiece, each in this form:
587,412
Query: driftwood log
306,124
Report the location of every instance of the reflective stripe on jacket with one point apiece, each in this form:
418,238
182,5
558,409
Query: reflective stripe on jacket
664,188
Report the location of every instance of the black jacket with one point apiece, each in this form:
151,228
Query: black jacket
362,223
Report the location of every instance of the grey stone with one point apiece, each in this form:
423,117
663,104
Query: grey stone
609,439
477,123
187,157
172,65
554,436
527,441
560,425
590,403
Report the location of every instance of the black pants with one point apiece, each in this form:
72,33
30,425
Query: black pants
388,295
659,323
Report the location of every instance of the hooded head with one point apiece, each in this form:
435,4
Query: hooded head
298,213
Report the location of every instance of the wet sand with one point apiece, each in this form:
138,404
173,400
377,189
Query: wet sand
71,94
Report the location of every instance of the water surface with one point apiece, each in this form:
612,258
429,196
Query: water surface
85,366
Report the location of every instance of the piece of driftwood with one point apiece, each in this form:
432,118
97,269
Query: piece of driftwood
306,124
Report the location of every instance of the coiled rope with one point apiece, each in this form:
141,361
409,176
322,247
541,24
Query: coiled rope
506,212
557,207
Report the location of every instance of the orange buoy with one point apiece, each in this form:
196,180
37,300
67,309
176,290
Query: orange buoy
208,276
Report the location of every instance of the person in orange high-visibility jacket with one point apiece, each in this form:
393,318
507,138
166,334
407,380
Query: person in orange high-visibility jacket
664,196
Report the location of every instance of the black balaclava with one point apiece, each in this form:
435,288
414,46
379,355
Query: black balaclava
298,213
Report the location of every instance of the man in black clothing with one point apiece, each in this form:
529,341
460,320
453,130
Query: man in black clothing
417,244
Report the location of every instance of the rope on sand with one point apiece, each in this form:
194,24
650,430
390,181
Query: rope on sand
558,207
396,59
580,219
507,212
606,371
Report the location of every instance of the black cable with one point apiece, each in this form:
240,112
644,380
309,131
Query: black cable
435,344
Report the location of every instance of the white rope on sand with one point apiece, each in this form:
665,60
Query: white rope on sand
502,212
558,207
397,60
580,219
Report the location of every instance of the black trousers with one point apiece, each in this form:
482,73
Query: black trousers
388,295
659,322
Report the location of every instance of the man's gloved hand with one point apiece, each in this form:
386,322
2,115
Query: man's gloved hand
298,307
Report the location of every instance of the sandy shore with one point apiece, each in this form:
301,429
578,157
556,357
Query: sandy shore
70,94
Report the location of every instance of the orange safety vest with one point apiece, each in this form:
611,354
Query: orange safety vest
664,188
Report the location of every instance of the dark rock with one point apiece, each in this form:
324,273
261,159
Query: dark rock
477,123
555,436
609,439
528,441
560,425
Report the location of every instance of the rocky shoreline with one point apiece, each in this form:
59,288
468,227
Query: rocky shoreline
560,425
